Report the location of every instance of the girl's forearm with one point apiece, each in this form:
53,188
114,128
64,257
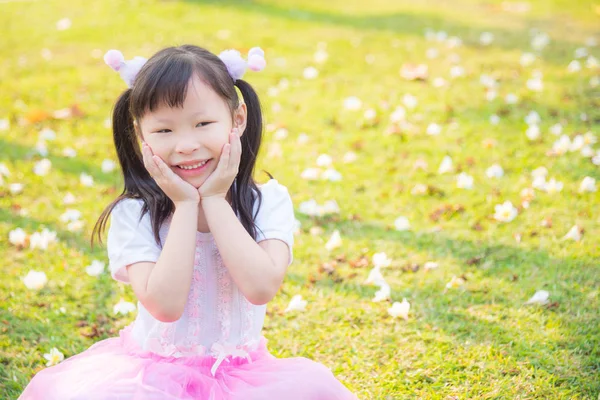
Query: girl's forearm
169,282
248,264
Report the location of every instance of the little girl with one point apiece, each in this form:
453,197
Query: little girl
203,247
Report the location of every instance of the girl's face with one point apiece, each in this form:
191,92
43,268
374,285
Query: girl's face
194,134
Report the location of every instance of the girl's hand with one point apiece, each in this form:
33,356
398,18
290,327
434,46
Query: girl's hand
221,179
178,190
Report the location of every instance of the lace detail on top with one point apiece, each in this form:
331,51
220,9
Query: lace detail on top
197,296
224,296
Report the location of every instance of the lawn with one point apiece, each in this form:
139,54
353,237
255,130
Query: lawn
363,102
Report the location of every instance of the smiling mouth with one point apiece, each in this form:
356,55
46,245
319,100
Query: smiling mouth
194,166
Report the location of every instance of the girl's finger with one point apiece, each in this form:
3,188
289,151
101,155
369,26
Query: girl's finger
147,159
236,153
163,168
224,161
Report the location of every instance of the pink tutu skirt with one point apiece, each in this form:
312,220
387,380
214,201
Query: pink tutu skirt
117,368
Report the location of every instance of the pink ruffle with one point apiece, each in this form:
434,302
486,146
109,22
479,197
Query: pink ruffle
117,368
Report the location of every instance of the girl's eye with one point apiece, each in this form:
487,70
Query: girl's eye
163,131
204,123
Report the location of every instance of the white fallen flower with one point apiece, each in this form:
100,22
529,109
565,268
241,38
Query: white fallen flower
324,160
70,215
589,138
35,280
556,129
455,282
505,212
310,207
108,166
352,103
574,66
511,98
15,188
419,189
303,138
592,62
334,241
456,71
17,237
331,175
587,185
495,171
535,84
280,134
562,145
533,132
383,293
494,119
42,167
75,226
320,56
553,186
540,40
311,174
69,199
400,309
4,171
446,165
540,171
54,357
398,115
370,114
4,124
381,260
429,265
409,101
47,134
533,118
434,129
527,59
575,233
42,239
581,52
540,297
486,38
464,181
577,143
296,304
402,224
69,152
375,277
349,157
331,207
310,73
63,24
123,307
95,268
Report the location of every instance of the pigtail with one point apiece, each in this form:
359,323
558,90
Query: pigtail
245,192
137,180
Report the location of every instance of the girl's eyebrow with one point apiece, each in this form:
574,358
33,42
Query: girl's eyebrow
167,120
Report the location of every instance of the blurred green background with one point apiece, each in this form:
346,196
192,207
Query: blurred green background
509,83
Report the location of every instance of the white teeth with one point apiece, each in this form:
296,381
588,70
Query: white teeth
193,166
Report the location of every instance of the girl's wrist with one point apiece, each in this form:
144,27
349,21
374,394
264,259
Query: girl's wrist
187,204
211,199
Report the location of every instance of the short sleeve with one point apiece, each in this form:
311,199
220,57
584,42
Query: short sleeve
130,240
275,218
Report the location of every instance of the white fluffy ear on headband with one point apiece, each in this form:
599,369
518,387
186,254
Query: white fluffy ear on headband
127,69
236,65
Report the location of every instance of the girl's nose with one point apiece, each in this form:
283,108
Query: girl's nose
187,145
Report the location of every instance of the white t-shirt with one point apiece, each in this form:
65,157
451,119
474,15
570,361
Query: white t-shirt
218,319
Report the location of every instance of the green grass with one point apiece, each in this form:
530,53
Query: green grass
478,341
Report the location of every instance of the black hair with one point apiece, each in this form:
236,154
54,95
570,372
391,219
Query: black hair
162,80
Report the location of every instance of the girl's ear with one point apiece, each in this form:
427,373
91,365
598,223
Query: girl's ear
240,118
